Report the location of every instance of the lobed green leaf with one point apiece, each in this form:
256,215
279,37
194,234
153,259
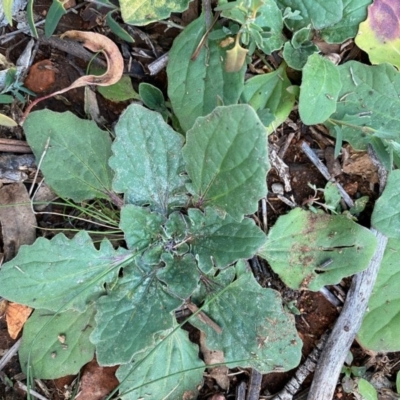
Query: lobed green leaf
147,160
227,160
171,371
386,214
180,274
317,13
60,274
319,90
143,12
75,154
354,12
381,322
196,87
139,305
140,226
310,250
368,103
56,345
218,242
256,332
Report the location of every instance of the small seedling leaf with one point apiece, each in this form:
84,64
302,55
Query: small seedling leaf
218,242
297,58
140,226
173,370
120,91
75,161
317,13
269,18
118,29
379,34
56,345
60,273
319,90
143,12
147,160
227,161
269,92
268,340
310,250
195,87
386,214
366,390
180,274
152,97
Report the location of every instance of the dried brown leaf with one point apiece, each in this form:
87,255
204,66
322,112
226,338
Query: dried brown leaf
220,374
18,222
97,382
203,317
16,316
99,44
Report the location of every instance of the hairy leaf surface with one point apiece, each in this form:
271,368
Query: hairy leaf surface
368,104
381,322
296,58
354,12
147,160
317,13
139,306
56,345
196,87
75,162
180,274
172,371
218,242
60,273
269,19
140,226
320,87
252,318
227,161
143,12
310,250
386,214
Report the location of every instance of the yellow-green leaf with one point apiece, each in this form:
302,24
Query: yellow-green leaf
235,58
7,121
379,34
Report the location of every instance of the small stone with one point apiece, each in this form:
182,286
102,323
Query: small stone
277,188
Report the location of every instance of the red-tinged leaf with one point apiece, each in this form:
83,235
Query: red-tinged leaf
379,34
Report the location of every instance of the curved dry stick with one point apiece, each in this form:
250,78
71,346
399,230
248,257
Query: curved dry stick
96,43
